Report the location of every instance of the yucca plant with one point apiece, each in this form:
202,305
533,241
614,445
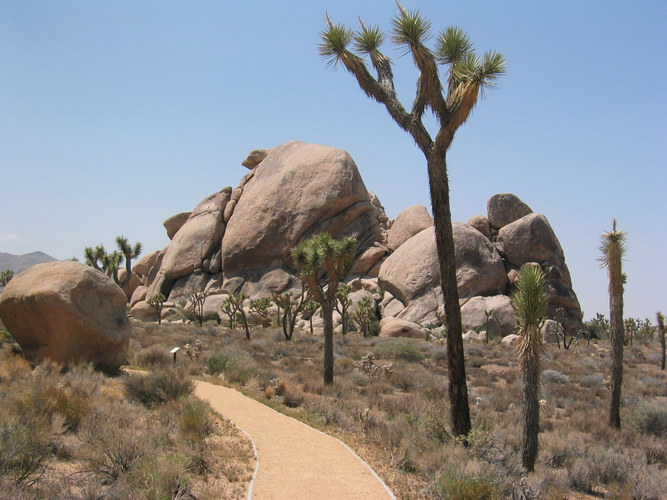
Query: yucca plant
467,76
530,302
322,254
612,249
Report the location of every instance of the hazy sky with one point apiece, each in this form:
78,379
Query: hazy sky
116,115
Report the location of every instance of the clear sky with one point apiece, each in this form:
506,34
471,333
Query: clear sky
117,115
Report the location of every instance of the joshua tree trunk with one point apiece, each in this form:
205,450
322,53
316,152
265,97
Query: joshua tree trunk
612,255
327,315
444,235
531,409
661,332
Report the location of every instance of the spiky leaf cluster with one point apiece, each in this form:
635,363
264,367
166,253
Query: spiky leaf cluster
530,302
467,74
323,253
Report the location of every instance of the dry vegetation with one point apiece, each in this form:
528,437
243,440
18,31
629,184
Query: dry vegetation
81,434
394,416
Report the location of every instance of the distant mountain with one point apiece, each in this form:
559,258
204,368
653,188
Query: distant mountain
18,263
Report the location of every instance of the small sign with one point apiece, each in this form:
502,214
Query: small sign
174,350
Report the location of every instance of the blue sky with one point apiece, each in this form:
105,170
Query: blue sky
117,115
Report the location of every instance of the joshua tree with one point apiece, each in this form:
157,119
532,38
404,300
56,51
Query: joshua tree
261,308
322,253
108,262
156,302
342,304
530,307
291,308
363,316
612,247
467,75
233,307
661,332
197,299
6,276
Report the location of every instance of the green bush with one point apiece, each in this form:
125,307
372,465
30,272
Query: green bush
456,487
651,419
25,446
158,387
217,363
194,419
401,349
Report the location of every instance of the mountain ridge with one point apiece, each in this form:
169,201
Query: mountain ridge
19,263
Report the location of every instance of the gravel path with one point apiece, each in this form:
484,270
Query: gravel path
295,460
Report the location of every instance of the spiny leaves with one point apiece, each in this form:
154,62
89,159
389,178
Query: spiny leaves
410,28
611,243
335,40
530,299
368,40
452,45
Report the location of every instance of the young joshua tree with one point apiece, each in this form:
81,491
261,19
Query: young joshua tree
612,248
324,254
530,308
466,75
157,302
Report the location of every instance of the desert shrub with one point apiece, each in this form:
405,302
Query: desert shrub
292,395
555,377
217,363
162,477
114,440
401,349
592,380
651,419
25,446
194,419
235,366
158,386
459,487
155,355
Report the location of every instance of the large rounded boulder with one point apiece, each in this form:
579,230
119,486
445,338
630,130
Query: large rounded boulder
298,190
67,312
413,269
409,222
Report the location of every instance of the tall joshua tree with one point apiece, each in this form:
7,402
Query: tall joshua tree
324,254
661,332
612,247
466,76
530,307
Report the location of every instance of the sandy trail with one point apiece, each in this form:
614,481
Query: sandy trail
295,461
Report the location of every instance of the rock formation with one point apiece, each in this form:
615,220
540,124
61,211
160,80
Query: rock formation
67,312
239,240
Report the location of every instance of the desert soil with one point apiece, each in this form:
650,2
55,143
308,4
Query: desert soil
295,461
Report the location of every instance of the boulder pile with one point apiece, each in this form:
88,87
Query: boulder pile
240,239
